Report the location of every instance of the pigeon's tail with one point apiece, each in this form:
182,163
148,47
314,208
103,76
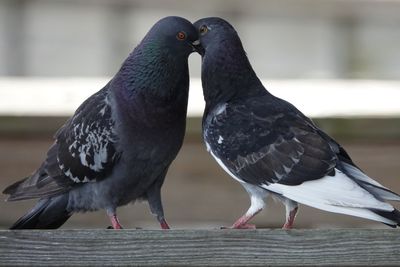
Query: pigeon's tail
369,184
377,190
39,185
340,194
49,213
393,216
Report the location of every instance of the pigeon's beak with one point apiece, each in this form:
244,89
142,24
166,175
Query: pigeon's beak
197,47
197,42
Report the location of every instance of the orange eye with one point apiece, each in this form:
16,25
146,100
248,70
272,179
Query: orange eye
181,36
203,30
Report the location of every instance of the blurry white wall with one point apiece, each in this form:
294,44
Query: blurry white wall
284,38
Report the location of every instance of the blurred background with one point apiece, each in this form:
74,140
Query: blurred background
338,61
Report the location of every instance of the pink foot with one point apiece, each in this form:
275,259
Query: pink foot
290,219
115,222
164,225
287,226
241,223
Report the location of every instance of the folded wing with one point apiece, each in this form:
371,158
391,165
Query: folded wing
84,151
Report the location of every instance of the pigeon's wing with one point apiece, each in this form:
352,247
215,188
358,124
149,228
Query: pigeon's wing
263,143
85,147
84,151
269,143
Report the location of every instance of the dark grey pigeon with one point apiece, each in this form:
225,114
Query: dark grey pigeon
270,147
118,145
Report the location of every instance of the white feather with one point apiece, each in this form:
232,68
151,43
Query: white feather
257,196
103,111
372,185
220,108
220,139
82,157
337,194
360,175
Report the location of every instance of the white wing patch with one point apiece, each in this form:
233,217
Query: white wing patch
220,109
86,149
69,174
94,141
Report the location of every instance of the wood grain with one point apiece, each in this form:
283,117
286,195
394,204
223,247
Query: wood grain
358,247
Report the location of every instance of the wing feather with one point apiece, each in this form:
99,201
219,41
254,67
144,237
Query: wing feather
84,151
268,144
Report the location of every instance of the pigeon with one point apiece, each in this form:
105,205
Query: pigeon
270,147
119,144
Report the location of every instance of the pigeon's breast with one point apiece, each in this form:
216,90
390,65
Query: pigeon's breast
146,153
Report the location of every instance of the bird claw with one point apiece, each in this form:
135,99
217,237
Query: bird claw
290,219
136,228
242,226
287,226
110,227
164,225
246,226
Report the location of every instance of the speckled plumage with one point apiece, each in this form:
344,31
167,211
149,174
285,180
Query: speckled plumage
270,147
119,144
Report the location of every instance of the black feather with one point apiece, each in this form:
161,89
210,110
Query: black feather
120,142
49,213
264,140
391,215
13,187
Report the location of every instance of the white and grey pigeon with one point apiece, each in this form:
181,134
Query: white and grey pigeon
270,147
120,142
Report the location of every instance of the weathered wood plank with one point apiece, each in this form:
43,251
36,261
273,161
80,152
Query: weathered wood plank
200,247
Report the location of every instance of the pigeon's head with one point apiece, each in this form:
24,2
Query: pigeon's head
176,34
215,33
226,70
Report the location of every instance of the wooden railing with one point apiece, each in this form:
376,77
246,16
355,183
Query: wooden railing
357,247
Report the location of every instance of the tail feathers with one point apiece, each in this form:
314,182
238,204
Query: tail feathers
49,213
393,216
369,184
39,185
381,192
12,188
